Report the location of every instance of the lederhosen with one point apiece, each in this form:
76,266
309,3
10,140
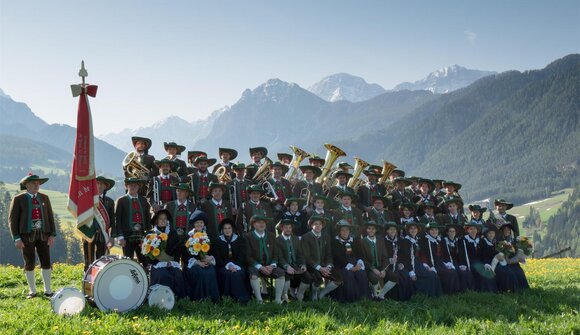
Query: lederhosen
289,253
35,238
265,256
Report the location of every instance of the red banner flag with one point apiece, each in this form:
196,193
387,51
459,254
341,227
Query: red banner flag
83,196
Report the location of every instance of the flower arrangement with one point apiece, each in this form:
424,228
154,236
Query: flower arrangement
197,244
506,248
154,244
524,244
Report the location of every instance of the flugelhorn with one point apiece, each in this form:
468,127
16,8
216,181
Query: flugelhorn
332,154
294,167
359,165
263,172
133,167
223,175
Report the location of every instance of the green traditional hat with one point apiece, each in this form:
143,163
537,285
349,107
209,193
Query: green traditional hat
342,173
502,201
300,202
233,153
372,223
180,148
372,173
451,183
210,161
258,217
389,224
489,227
457,227
346,192
343,223
32,177
376,169
316,170
399,172
433,224
285,222
329,203
403,180
283,155
255,188
455,200
385,199
408,205
345,164
316,158
477,208
192,155
280,165
314,218
413,179
263,150
239,166
166,160
109,182
132,180
507,224
183,186
471,224
213,185
438,181
428,182
428,204
147,141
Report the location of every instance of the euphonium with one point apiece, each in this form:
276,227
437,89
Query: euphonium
359,165
263,172
388,168
133,168
299,156
332,154
223,175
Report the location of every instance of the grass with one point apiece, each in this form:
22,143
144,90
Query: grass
549,307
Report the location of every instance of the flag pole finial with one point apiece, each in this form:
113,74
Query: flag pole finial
83,72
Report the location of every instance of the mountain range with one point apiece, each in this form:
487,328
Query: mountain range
500,135
445,80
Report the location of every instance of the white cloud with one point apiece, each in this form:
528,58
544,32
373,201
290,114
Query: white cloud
470,35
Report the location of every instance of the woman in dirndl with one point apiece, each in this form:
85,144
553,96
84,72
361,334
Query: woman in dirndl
469,258
164,269
435,258
404,289
230,254
514,262
346,258
424,281
452,242
494,262
200,275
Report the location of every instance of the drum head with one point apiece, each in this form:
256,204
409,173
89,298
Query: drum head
68,301
161,296
120,286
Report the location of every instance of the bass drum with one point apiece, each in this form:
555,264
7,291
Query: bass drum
115,283
68,301
161,296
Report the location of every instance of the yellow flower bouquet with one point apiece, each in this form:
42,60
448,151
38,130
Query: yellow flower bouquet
154,244
198,244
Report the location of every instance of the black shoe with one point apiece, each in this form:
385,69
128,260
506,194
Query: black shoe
31,295
48,295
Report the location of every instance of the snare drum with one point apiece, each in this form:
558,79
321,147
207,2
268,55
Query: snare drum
68,301
161,296
115,283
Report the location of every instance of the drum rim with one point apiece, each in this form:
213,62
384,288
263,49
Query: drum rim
157,287
78,294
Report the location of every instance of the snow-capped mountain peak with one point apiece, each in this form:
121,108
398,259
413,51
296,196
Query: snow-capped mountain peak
446,79
343,86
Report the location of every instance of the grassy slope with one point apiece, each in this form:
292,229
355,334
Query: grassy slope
549,307
547,207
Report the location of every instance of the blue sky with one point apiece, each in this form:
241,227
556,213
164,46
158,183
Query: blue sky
152,59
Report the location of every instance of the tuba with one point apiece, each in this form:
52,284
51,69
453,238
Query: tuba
332,154
223,175
388,168
134,168
359,165
299,156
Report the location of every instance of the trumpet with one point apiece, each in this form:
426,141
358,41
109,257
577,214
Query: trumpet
223,175
156,198
332,154
355,182
269,189
294,170
134,168
305,194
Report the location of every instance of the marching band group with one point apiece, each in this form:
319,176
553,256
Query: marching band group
321,229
